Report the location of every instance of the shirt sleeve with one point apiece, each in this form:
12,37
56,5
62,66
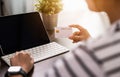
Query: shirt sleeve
77,63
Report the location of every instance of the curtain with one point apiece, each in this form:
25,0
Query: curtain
18,6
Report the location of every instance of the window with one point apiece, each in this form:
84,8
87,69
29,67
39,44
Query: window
77,12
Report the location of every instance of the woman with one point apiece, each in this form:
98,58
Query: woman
97,58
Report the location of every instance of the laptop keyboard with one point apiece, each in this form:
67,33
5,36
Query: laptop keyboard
40,53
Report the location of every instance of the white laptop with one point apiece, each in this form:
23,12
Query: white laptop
26,32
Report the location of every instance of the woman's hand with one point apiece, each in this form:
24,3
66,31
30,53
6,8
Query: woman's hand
80,35
22,59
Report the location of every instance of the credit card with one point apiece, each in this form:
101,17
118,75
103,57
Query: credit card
63,32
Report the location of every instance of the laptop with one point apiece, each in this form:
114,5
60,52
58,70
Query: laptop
26,32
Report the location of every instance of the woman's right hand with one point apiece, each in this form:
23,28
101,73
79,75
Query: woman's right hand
80,35
22,59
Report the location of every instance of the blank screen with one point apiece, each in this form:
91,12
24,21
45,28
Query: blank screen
23,31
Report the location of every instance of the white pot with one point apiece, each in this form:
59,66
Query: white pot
50,21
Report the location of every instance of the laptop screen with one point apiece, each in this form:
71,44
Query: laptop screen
23,31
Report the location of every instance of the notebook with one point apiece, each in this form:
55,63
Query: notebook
26,32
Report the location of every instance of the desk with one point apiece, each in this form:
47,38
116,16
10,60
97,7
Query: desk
41,67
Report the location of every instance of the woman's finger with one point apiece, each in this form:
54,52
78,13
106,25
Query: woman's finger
76,33
77,26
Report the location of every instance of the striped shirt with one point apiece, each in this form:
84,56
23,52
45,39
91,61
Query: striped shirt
96,58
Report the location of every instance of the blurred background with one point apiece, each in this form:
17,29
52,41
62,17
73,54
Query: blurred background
74,12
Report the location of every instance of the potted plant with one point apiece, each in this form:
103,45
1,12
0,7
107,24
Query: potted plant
49,10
